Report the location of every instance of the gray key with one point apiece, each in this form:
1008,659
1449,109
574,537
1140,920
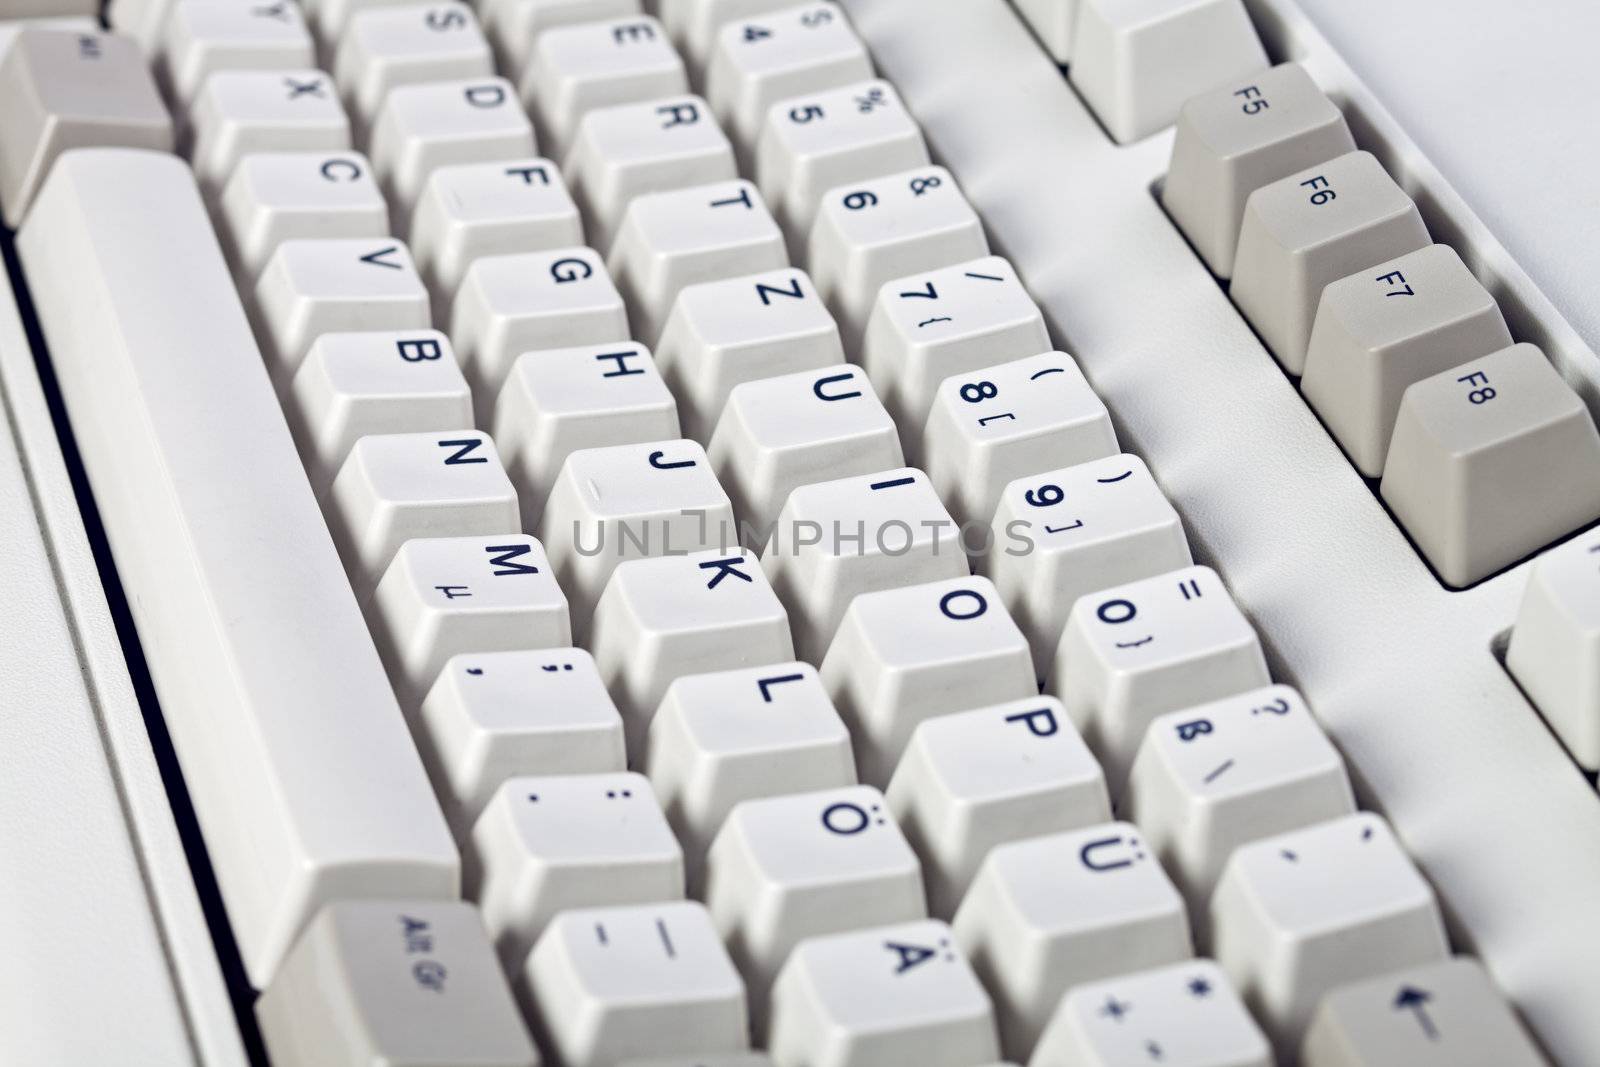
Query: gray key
1232,141
1491,461
67,89
1386,327
1445,1014
1311,228
381,983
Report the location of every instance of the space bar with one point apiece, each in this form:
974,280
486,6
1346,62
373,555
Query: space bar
293,749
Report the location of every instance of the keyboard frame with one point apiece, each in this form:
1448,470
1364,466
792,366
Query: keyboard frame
1404,673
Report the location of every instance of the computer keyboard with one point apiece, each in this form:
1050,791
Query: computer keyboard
769,533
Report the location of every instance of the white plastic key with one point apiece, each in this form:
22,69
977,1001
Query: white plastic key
1053,22
1213,777
1555,645
720,334
606,984
241,112
630,502
1048,913
559,401
1314,227
530,302
397,487
623,151
1132,652
1136,64
282,196
976,779
66,88
704,233
783,869
420,128
494,715
446,595
352,385
777,434
1065,533
759,61
1183,1015
499,208
514,25
315,286
816,142
926,327
872,232
902,656
205,36
835,540
890,994
545,844
990,427
694,23
191,461
723,738
403,981
663,618
387,47
1300,914
331,18
575,69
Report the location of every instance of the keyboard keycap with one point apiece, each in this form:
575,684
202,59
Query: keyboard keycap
64,89
1445,1014
275,197
721,334
976,779
387,47
891,994
496,715
354,385
530,302
1049,913
990,427
1490,461
1184,1015
325,285
780,433
813,143
724,738
1233,140
784,869
1211,778
420,128
902,656
1555,646
687,236
1132,652
397,487
622,152
1300,914
1379,331
694,23
1136,64
1066,533
663,618
392,982
605,984
838,539
926,327
446,595
547,844
872,232
1053,22
576,69
241,112
205,36
1312,228
757,62
557,402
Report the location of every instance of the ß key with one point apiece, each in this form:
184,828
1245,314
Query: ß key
275,197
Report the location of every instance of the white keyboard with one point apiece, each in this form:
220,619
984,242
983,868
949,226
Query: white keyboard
860,534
